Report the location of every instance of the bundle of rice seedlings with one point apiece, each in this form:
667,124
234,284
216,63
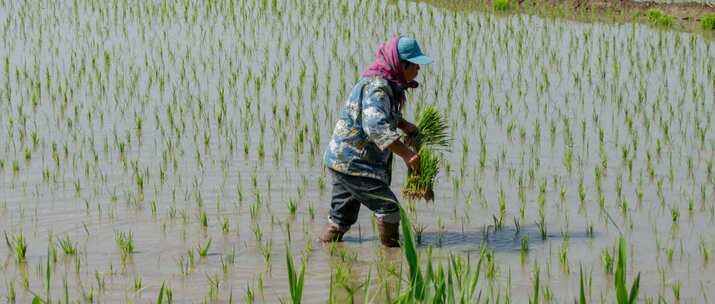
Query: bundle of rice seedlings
432,138
420,186
433,130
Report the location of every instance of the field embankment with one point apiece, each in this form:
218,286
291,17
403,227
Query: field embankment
685,16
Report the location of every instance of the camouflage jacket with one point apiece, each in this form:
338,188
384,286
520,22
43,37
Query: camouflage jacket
366,126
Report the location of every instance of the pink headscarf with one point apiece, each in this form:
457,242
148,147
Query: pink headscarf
387,65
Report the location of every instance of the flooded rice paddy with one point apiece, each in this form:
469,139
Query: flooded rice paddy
150,143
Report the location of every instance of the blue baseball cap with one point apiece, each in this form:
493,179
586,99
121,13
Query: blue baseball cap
409,50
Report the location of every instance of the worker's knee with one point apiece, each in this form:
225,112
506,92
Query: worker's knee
392,218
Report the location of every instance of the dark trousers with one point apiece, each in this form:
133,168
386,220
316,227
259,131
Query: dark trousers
350,191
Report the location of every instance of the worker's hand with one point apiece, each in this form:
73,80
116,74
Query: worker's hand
409,129
412,160
413,163
411,140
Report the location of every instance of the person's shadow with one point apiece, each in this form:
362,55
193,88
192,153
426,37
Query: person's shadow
506,239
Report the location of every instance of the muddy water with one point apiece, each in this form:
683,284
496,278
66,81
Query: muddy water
150,117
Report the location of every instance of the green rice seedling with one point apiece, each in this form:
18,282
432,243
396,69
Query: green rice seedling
254,209
524,248
564,255
410,252
295,280
292,206
11,296
535,298
261,150
707,22
213,284
100,278
623,296
430,285
589,229
203,218
366,286
88,295
482,154
184,216
267,251
139,180
225,225
137,285
15,166
440,231
582,288
548,294
321,184
541,224
311,211
203,250
67,246
25,280
257,232
659,18
162,292
224,266
676,291
18,244
249,296
498,222
125,242
669,254
48,283
419,230
674,214
469,283
184,266
261,285
705,250
287,231
607,260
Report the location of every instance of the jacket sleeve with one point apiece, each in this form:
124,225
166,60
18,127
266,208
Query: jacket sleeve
376,120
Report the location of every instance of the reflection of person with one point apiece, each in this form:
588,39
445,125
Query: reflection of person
359,155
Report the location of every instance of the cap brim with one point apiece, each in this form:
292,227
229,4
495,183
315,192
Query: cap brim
422,59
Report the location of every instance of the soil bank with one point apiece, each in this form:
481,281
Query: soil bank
687,15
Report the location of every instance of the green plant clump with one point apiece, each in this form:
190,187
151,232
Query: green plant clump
708,22
623,296
295,279
455,282
420,186
433,129
502,5
659,18
431,138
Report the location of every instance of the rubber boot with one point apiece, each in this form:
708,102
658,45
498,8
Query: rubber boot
332,233
389,233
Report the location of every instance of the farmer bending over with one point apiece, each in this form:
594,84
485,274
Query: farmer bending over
359,155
